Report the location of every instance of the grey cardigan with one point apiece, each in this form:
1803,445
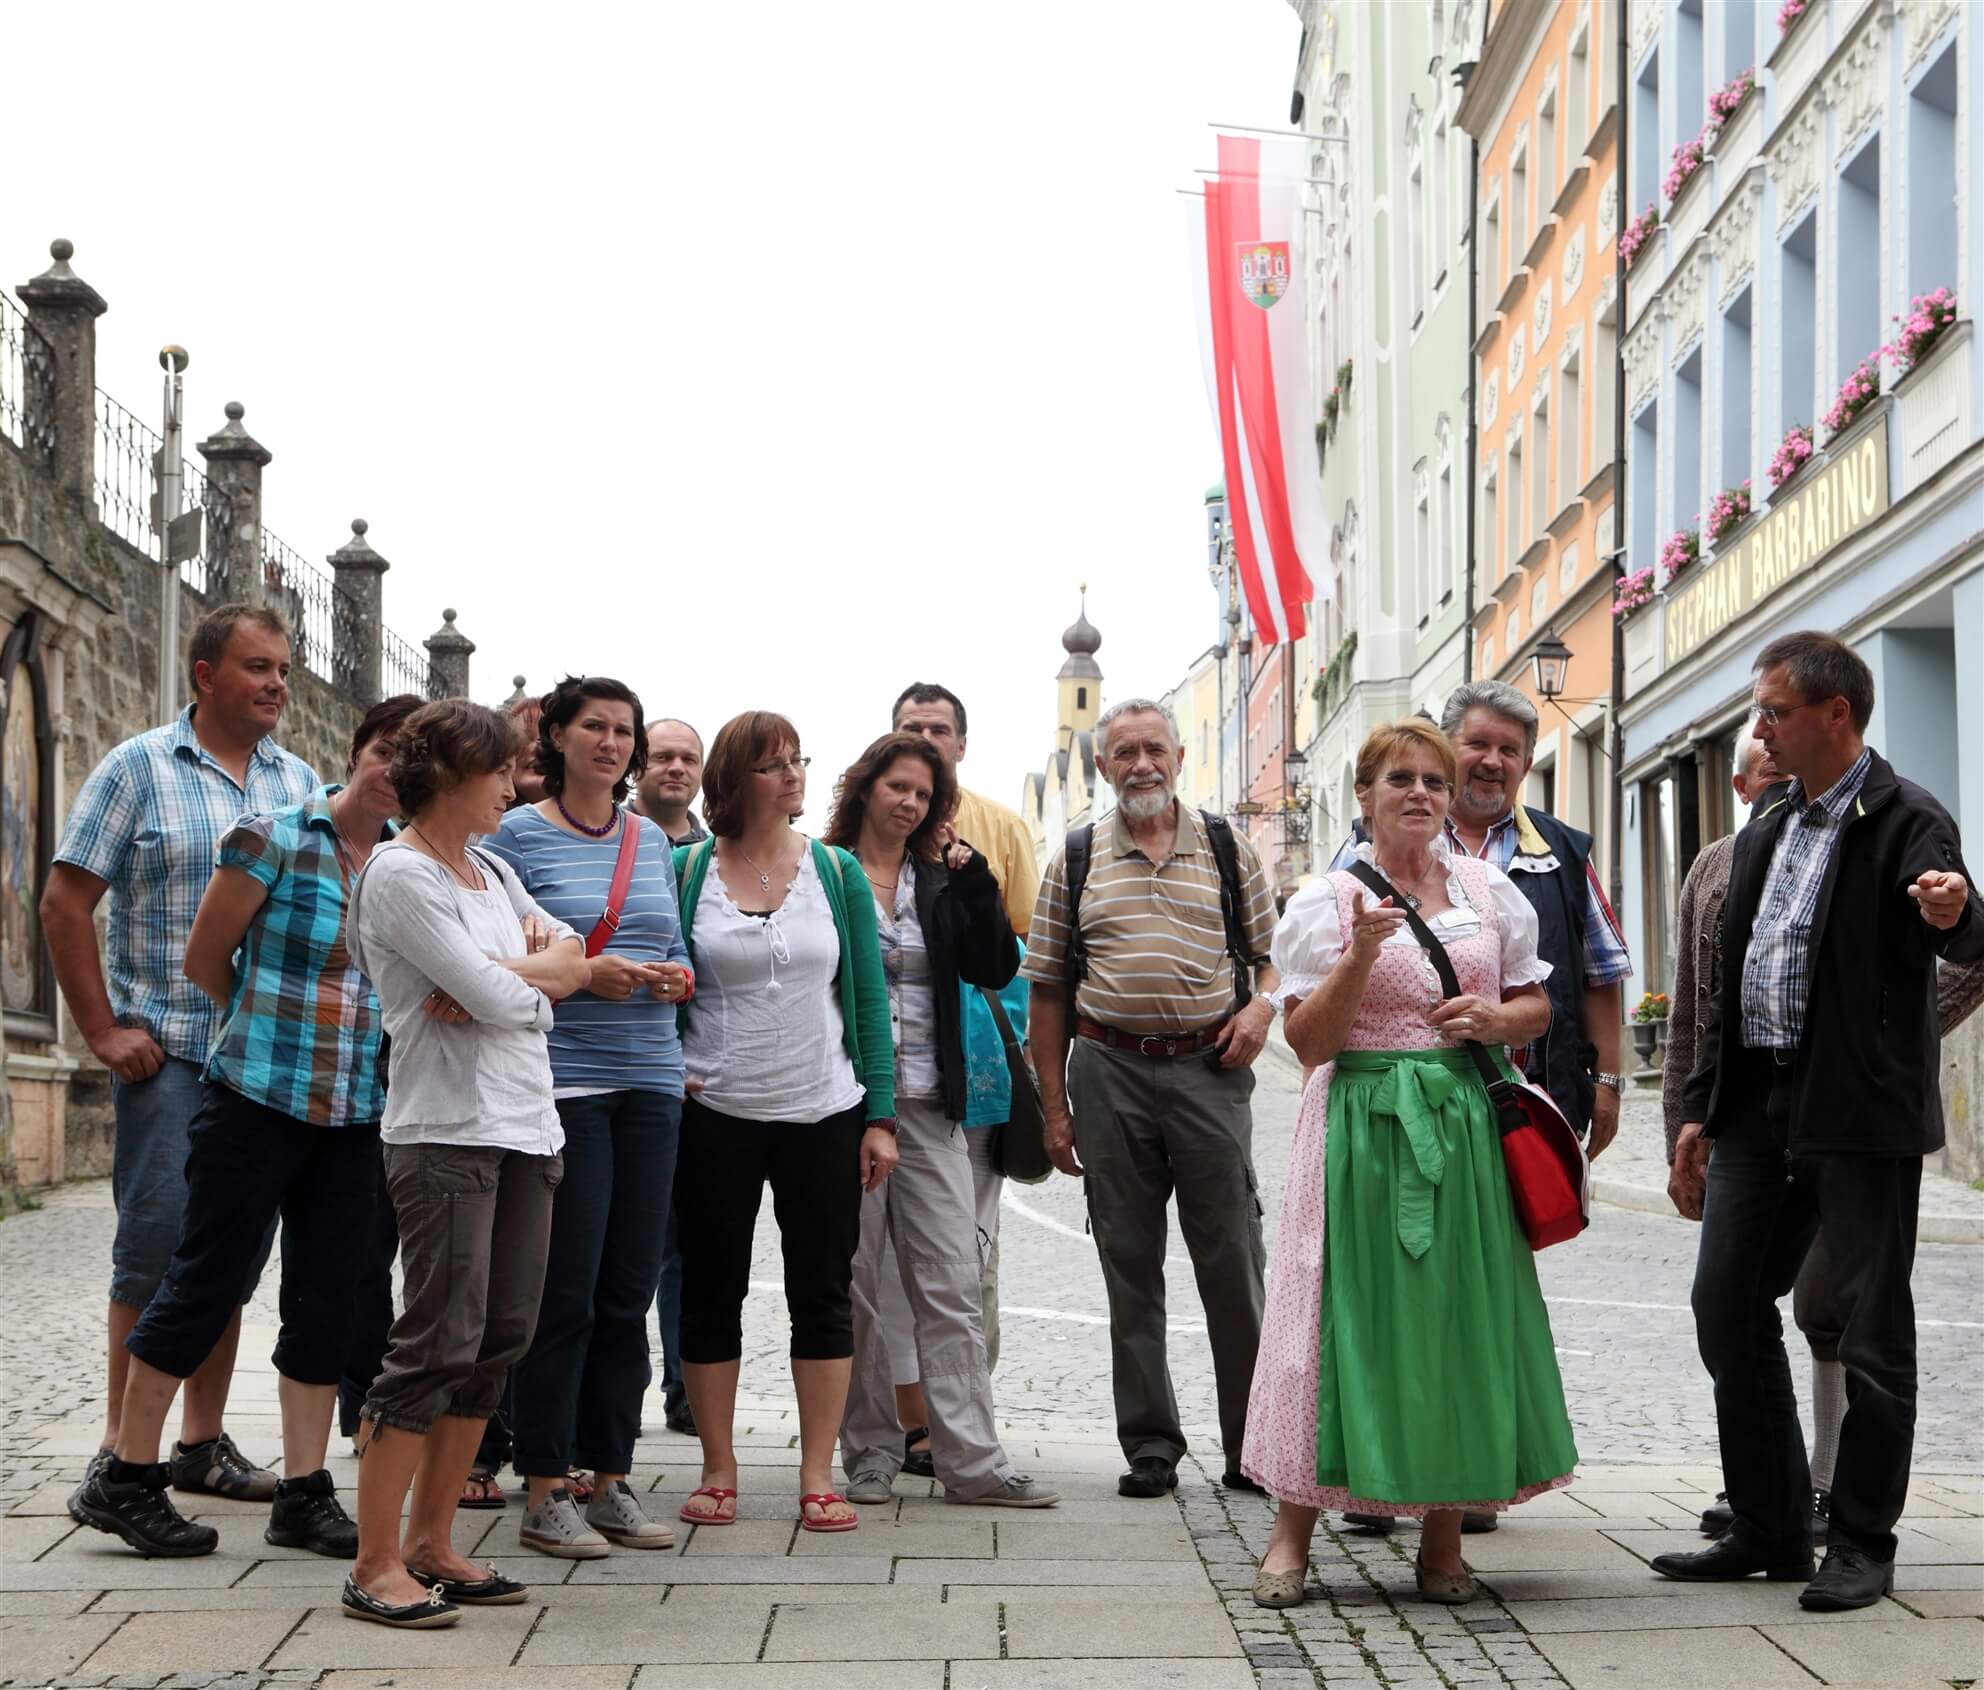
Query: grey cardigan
405,932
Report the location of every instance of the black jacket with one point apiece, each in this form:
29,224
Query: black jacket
970,939
1869,1054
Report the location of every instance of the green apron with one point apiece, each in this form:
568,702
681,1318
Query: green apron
1437,1379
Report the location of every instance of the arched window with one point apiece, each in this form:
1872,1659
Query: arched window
27,821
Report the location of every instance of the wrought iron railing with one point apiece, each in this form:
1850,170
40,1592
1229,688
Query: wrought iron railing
127,475
323,618
405,668
27,384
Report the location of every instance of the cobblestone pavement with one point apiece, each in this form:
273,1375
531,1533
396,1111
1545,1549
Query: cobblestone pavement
1099,1593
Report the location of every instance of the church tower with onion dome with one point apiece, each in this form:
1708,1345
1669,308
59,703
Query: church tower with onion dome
1080,680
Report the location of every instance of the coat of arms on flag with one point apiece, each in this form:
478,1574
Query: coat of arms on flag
1264,271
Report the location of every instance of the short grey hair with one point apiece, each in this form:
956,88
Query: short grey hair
1135,707
1497,696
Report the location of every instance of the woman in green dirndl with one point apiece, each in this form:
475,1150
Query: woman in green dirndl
1406,1362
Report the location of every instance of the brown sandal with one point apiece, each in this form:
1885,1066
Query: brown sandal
480,1490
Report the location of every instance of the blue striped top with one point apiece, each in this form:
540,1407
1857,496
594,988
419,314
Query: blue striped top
596,1043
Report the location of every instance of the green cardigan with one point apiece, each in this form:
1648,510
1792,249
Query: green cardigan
864,992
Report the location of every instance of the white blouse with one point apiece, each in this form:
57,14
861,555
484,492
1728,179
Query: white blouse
1307,943
766,1038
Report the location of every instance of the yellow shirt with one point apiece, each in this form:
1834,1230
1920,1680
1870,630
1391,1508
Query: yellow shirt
1002,837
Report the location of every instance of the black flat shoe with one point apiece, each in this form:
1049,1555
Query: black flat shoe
1149,1475
491,1591
1718,1517
1477,1520
1234,1479
1371,1525
1727,1560
427,1614
1850,1578
917,1462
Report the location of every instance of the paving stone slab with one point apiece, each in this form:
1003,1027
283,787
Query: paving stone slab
1945,1604
1870,1654
765,1502
24,1604
44,1646
813,1675
488,1637
474,1678
1170,1576
1051,1625
744,1537
739,1570
1914,1548
1674,1660
25,1536
950,1537
204,1642
1749,1602
118,1566
1144,1672
1166,1539
929,1630
729,1627
1632,1476
243,1599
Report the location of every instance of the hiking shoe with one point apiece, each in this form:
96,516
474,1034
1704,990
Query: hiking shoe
138,1510
556,1529
1017,1492
97,1463
871,1485
306,1515
218,1468
615,1513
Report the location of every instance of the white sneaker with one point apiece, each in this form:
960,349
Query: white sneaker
615,1512
556,1529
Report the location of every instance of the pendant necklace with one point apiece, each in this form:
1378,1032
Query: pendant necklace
764,880
589,832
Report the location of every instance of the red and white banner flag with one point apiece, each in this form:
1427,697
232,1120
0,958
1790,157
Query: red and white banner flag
1255,323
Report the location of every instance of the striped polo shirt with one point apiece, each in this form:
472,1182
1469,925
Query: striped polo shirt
1157,959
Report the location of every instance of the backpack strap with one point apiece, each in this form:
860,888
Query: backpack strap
1219,835
1080,840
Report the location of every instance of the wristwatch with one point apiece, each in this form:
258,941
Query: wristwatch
1616,1081
886,1122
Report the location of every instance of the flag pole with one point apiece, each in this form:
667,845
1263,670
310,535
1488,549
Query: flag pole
1285,134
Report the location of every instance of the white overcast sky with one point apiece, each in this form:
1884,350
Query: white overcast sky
763,355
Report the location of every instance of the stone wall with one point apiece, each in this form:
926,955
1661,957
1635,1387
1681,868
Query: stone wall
96,601
1963,1100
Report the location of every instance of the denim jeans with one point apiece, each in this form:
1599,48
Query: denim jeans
668,1317
1762,1209
154,1135
579,1389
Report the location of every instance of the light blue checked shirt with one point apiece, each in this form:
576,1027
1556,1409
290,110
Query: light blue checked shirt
1777,968
149,821
1605,955
302,1030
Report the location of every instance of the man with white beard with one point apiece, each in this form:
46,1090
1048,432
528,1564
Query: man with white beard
1149,940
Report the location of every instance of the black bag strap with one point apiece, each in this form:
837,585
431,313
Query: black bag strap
1080,840
1001,1019
1219,835
1496,1082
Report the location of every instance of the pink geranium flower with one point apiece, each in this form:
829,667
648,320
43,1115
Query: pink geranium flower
1633,591
1637,234
1856,393
1725,511
1792,454
1929,314
1790,12
1681,550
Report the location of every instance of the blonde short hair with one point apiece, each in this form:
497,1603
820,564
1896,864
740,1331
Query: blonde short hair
1389,741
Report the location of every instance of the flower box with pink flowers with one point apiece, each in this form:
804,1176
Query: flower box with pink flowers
1856,393
1727,512
1793,453
1681,550
1637,234
1632,591
1930,317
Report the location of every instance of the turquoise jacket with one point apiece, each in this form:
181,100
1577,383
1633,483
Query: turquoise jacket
864,993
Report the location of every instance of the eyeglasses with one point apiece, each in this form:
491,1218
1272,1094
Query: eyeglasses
796,764
1769,715
1404,780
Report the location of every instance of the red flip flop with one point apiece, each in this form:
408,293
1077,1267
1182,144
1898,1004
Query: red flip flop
716,1494
823,1499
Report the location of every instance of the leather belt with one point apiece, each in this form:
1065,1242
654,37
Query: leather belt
1158,1045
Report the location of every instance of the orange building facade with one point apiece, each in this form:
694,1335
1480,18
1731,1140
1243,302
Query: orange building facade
1542,106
